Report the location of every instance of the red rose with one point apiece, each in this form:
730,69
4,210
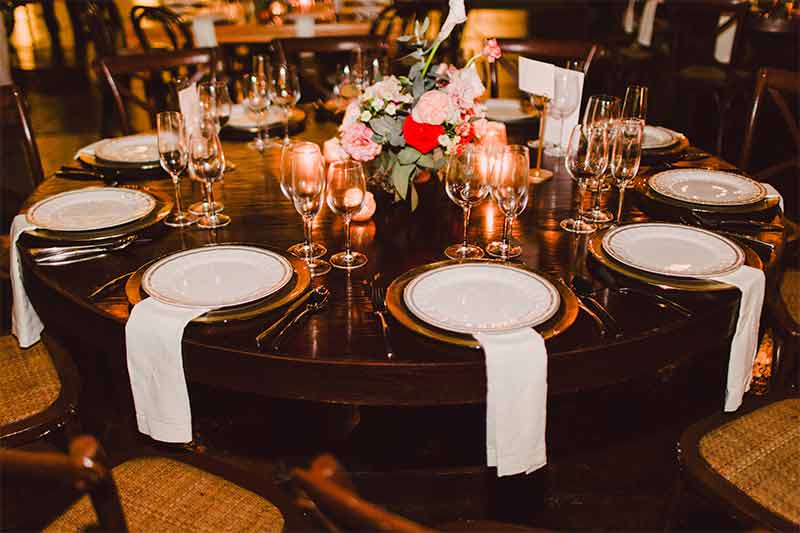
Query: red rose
423,137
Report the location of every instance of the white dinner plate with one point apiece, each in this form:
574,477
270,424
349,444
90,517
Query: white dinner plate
506,110
217,276
133,149
673,250
242,120
707,187
92,208
481,298
657,137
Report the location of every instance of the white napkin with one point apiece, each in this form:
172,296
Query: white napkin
516,400
153,337
645,37
25,323
744,347
205,35
538,77
724,43
628,16
772,192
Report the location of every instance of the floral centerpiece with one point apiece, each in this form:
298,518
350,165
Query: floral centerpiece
408,125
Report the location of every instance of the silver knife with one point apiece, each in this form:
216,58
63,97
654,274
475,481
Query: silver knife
287,315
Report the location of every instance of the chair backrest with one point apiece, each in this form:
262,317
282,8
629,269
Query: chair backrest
292,47
152,69
330,489
84,468
16,125
172,25
102,26
545,50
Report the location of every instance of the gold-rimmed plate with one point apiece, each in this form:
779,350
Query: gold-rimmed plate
558,323
595,247
297,285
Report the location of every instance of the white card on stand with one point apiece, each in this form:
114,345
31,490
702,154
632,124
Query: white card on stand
190,108
205,35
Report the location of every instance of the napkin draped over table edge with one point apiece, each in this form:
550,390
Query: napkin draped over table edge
26,325
516,400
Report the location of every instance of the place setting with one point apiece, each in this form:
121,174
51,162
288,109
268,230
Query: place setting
119,159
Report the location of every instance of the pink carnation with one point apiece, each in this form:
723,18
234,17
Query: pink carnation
357,142
491,50
432,108
465,87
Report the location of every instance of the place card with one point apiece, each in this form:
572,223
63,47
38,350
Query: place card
190,107
205,35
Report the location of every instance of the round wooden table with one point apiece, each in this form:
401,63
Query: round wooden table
337,356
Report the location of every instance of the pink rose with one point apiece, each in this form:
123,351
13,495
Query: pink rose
351,114
357,142
491,50
432,108
333,150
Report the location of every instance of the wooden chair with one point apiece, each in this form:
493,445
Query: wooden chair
155,493
545,50
749,462
694,29
172,25
326,491
156,71
102,26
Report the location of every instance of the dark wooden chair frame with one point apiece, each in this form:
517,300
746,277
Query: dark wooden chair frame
114,68
546,50
172,23
12,98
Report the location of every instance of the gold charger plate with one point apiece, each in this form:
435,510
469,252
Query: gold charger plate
162,208
595,246
558,323
297,285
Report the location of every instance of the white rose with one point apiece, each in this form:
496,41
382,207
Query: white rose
365,116
391,109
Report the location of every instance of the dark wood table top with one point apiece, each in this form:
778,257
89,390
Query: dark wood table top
338,355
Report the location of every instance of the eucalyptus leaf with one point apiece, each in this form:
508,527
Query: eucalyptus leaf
414,196
397,139
418,89
426,161
401,177
385,125
414,71
408,155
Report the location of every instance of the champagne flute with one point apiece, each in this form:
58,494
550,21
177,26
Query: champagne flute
467,184
174,156
626,154
256,87
224,109
635,104
308,194
563,103
207,97
509,185
586,158
208,163
285,91
601,110
346,190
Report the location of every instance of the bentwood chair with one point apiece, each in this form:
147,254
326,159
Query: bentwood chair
748,462
157,71
186,493
169,22
552,51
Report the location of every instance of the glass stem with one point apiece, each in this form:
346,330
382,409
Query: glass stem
212,212
560,131
621,200
467,211
347,253
307,226
597,193
286,126
506,230
176,181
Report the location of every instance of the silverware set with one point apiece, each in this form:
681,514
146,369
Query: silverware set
378,296
65,255
747,239
309,303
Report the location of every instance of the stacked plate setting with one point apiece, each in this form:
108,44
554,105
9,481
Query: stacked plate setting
656,138
705,187
129,153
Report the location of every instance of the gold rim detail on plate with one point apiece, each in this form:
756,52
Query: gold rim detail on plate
557,324
642,187
149,203
760,192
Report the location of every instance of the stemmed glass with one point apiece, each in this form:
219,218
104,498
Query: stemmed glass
635,104
173,153
207,96
563,103
285,91
601,108
307,153
626,154
257,90
586,159
509,185
346,189
467,184
308,194
208,163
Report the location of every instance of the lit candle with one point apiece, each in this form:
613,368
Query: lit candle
305,6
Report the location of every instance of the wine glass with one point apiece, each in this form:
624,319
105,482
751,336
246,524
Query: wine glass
601,108
289,152
224,105
563,103
509,185
307,189
207,97
586,159
285,91
174,156
626,154
346,190
467,184
256,88
635,104
208,163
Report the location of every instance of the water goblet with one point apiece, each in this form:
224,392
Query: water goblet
207,96
635,103
346,190
285,91
174,156
208,162
308,194
304,154
509,186
586,158
563,103
601,108
626,154
467,184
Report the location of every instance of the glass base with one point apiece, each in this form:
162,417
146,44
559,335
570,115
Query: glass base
502,250
262,145
302,251
348,262
180,219
598,216
577,226
318,267
217,221
459,251
201,208
539,175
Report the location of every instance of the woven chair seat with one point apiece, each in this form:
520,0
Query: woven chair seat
29,382
790,292
160,494
759,454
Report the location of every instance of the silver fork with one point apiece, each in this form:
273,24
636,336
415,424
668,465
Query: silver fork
379,308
